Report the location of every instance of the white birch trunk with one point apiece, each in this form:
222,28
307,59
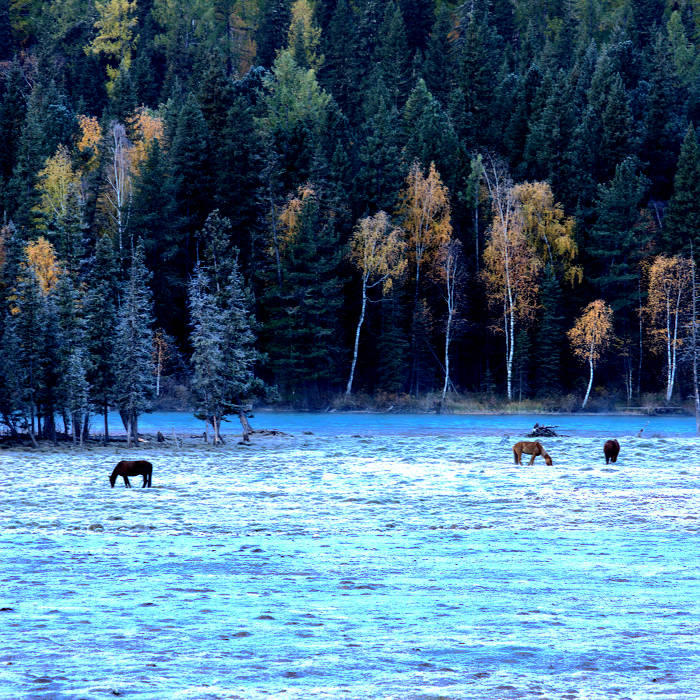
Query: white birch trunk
448,333
348,389
669,365
694,336
674,347
590,380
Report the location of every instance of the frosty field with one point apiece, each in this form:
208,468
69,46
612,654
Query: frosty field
379,557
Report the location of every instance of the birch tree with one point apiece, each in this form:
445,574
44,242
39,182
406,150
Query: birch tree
424,210
117,191
670,280
449,270
694,341
590,336
548,229
425,215
161,352
377,249
511,265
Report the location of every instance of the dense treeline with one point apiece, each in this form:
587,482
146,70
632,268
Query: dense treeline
393,196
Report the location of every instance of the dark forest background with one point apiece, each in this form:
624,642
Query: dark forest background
140,138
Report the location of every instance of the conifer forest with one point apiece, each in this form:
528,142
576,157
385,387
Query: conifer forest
305,200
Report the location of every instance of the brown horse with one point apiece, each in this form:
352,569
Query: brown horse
611,449
127,469
530,448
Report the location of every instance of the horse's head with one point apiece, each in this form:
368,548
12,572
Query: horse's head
547,459
112,479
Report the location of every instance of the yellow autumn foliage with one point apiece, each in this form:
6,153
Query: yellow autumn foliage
41,257
592,332
378,250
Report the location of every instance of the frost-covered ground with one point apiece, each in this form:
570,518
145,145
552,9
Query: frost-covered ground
403,561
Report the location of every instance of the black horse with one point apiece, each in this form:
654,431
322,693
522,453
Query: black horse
127,469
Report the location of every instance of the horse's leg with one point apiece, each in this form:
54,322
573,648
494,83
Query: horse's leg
126,481
145,480
150,474
532,460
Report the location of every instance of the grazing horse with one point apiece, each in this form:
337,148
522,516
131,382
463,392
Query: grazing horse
127,469
530,448
611,449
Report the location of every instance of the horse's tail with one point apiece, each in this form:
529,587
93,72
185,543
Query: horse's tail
515,455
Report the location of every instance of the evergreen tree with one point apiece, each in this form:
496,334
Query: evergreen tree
72,388
272,31
550,337
618,243
418,16
208,359
100,313
24,340
302,303
393,56
133,362
381,168
437,68
681,227
342,69
154,220
223,347
13,110
49,123
431,137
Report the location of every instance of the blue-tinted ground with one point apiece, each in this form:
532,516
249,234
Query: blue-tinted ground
413,561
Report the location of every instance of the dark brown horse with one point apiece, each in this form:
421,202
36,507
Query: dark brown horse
611,449
127,469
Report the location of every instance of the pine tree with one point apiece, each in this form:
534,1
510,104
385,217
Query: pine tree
393,56
208,358
418,16
681,226
437,68
25,335
342,70
73,388
272,32
302,305
381,168
431,137
13,109
100,313
223,345
133,347
550,337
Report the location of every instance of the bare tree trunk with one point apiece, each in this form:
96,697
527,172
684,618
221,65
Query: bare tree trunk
247,430
669,366
31,428
641,329
590,383
694,336
348,389
447,355
106,417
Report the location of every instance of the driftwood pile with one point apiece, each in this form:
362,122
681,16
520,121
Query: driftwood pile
543,431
